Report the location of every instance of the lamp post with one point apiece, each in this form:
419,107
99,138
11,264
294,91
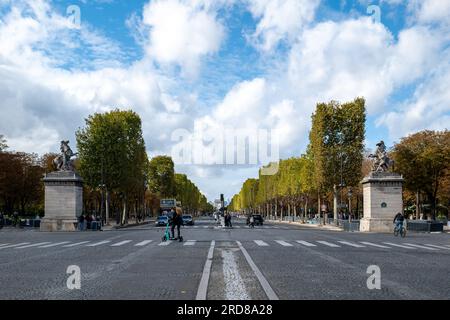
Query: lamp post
349,194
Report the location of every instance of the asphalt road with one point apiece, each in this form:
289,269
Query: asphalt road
276,261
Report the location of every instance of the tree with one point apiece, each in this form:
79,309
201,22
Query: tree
337,145
161,176
112,155
3,145
423,159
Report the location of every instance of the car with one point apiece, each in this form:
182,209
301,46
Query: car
161,221
188,220
257,218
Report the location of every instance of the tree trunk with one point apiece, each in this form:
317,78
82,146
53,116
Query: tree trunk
124,212
417,205
107,208
335,204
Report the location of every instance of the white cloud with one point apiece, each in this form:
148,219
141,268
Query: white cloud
426,11
182,32
280,20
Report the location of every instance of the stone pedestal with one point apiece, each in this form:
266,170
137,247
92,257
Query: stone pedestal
382,193
63,201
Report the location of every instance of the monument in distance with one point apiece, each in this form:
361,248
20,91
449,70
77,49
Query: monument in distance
382,194
63,194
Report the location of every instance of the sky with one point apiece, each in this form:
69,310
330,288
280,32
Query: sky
201,71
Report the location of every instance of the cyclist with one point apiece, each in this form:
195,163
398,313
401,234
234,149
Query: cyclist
398,221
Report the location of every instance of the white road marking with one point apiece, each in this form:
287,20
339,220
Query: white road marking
305,243
203,286
190,242
421,247
143,243
164,243
238,227
283,243
3,244
75,244
375,245
14,245
352,244
121,243
435,246
263,281
329,244
54,244
205,227
98,243
196,227
399,245
234,284
32,245
261,243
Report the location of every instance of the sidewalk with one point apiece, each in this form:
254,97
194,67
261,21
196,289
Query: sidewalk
309,225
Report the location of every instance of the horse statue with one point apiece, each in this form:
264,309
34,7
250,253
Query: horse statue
64,161
381,162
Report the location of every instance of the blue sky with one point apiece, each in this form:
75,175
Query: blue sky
253,64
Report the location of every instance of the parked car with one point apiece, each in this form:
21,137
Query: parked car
188,220
162,221
257,218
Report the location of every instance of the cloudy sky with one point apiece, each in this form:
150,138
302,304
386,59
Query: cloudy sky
228,64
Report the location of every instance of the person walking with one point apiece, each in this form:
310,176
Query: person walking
177,221
81,222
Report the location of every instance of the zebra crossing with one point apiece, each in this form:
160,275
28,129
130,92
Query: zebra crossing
311,244
238,227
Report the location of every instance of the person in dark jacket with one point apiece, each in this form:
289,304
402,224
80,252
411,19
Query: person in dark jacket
398,220
177,221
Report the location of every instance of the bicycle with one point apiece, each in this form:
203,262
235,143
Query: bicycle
401,231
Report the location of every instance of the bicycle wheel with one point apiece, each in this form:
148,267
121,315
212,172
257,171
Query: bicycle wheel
403,232
396,232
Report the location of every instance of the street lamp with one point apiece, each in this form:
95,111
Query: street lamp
350,194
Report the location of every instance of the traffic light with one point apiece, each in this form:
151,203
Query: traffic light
221,197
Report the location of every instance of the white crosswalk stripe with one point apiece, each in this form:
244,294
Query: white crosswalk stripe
32,245
439,247
53,244
305,243
284,243
196,227
143,243
421,247
98,243
165,243
3,244
14,245
399,245
205,227
352,244
190,242
375,245
121,243
329,244
75,244
261,243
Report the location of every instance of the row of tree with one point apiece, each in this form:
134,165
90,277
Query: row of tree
120,181
326,178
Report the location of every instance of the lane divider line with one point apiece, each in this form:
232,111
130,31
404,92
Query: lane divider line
203,286
263,281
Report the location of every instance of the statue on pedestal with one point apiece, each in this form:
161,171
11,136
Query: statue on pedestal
381,162
64,161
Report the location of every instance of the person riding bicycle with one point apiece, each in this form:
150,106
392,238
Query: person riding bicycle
398,220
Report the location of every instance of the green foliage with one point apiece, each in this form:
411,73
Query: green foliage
161,176
3,145
337,143
111,151
423,159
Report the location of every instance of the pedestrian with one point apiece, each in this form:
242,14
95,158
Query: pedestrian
252,221
81,222
177,221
